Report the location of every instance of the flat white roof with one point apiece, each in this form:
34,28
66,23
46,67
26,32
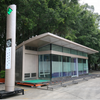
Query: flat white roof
48,38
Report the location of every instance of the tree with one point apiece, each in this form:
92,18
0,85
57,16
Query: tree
3,9
67,18
74,1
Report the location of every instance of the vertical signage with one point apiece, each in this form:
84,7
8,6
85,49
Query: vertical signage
10,48
8,54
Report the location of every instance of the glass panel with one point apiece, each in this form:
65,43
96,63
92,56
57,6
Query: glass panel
86,65
56,58
45,48
66,50
66,66
56,66
18,66
44,66
56,48
69,65
84,54
73,66
76,52
73,51
80,53
80,66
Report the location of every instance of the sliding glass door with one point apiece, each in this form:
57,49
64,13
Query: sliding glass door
74,67
44,66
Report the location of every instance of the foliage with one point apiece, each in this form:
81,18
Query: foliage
66,18
2,74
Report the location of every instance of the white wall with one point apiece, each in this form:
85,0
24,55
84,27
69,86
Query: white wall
31,64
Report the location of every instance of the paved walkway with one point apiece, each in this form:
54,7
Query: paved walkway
83,90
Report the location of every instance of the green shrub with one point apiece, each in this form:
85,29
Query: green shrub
2,74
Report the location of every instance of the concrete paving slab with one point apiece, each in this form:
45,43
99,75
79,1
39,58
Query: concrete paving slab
82,91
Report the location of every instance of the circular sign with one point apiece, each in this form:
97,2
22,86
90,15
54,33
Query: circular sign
8,43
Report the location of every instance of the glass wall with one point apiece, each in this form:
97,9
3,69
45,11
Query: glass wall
60,49
86,65
73,51
73,67
80,53
66,66
82,66
67,50
84,54
56,66
18,64
61,65
44,66
56,48
44,48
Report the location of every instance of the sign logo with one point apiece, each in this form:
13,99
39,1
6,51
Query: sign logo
8,43
9,11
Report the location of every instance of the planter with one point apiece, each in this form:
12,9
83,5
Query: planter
2,80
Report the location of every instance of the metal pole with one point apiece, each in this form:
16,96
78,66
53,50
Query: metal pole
10,48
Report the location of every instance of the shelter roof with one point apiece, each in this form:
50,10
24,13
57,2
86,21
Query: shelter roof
47,38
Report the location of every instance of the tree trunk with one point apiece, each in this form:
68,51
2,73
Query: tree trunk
89,66
96,66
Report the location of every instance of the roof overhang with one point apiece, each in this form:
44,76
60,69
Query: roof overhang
47,38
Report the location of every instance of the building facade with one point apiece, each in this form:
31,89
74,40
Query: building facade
48,56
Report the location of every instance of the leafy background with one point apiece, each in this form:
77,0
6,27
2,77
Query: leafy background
66,18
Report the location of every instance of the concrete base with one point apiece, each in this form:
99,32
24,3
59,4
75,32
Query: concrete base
4,93
9,88
74,82
98,75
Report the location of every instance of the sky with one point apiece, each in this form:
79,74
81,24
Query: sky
95,3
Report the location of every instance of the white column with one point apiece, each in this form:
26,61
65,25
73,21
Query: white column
10,48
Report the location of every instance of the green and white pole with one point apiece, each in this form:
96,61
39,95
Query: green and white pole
10,48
